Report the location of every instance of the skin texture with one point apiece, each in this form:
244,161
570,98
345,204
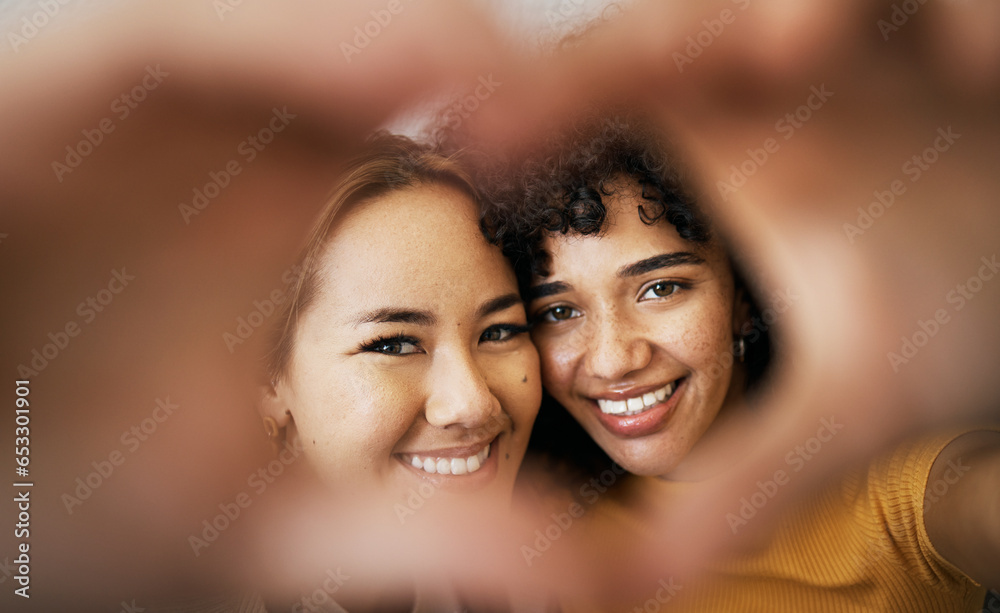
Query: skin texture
606,335
162,336
458,381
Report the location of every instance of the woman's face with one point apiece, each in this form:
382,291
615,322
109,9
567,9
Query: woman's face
411,367
635,329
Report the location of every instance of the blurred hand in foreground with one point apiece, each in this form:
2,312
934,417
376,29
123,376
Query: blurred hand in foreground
849,151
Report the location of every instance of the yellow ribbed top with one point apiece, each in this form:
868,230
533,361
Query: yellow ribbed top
858,546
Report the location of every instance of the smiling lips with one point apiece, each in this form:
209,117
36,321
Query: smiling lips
637,404
449,466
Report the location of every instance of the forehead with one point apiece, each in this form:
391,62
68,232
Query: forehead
420,244
625,237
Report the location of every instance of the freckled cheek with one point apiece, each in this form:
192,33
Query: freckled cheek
365,416
516,383
701,338
559,360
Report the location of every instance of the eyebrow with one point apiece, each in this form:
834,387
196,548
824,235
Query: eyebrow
425,318
547,289
497,304
395,315
664,260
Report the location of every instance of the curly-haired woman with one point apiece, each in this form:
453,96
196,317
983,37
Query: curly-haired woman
648,339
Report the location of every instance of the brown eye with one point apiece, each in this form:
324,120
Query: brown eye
399,345
660,289
492,335
560,313
501,332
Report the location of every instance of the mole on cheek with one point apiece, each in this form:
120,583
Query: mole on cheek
525,379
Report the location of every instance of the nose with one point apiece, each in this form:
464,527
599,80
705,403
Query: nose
616,348
459,393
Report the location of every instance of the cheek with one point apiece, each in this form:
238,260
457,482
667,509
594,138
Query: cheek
558,355
355,417
718,329
705,345
516,382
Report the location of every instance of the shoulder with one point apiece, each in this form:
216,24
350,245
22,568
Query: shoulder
910,484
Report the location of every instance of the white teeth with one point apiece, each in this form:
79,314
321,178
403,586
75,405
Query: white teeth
444,467
638,404
472,463
451,466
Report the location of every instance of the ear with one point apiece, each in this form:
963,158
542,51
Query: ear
274,404
741,312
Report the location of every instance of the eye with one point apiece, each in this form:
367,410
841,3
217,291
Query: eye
396,345
660,289
501,332
558,313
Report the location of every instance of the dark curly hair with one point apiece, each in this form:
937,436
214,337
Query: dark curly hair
558,185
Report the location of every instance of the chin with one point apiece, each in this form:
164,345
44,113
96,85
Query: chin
645,459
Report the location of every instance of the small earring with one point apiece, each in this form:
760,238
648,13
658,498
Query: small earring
274,434
271,428
740,351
